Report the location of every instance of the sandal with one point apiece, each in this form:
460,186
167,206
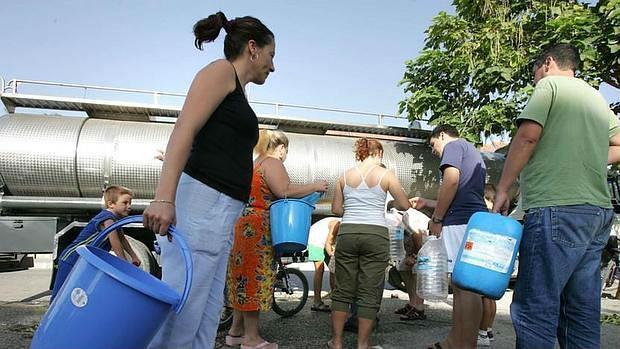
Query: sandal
413,314
403,310
320,307
435,346
263,345
233,341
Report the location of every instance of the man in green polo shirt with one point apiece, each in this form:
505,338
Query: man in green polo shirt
561,151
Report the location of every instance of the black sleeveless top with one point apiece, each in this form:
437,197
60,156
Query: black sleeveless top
221,154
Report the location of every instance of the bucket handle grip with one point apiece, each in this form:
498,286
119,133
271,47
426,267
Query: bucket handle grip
189,267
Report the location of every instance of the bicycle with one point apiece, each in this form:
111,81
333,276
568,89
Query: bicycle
610,258
290,292
610,261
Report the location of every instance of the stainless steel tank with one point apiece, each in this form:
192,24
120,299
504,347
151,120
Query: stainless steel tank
120,152
37,154
320,157
58,156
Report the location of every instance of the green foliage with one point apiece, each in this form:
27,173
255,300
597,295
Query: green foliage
475,69
611,319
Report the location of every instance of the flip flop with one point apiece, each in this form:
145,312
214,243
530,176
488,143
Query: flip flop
435,346
262,345
233,341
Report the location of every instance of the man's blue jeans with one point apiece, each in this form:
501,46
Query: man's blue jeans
558,288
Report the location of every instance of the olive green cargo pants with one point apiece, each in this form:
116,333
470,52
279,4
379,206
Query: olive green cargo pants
362,254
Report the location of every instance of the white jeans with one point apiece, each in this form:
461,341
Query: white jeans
205,218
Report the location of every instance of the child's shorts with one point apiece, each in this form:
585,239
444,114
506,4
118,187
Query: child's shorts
317,254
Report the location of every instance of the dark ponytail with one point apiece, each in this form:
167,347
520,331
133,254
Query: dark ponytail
207,29
239,31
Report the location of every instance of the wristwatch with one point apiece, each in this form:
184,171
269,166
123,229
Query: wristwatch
436,220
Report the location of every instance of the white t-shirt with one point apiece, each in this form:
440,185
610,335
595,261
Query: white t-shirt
319,230
415,220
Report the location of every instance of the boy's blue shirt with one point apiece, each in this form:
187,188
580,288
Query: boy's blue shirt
87,235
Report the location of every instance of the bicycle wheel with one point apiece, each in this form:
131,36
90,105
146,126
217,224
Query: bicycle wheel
226,318
607,274
290,292
394,278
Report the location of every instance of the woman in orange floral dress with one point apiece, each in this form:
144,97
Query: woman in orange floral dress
251,267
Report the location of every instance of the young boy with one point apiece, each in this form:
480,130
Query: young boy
118,204
415,223
318,253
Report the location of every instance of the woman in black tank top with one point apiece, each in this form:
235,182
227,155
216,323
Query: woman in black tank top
211,147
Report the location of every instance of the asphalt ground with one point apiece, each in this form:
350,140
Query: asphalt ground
20,314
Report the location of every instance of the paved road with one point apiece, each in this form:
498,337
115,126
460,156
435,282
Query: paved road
304,330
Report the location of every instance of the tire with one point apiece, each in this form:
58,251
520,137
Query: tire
288,301
394,279
607,274
147,261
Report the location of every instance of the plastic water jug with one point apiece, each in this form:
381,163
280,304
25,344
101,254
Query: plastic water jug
487,255
397,235
432,271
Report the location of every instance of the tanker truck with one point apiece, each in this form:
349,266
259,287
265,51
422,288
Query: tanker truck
62,144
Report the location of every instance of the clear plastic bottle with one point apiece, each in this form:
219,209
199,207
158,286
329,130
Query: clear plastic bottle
397,234
432,270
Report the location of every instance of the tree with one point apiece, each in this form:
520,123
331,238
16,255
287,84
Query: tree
475,69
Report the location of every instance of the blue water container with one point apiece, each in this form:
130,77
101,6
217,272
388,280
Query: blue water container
109,303
290,224
487,255
312,198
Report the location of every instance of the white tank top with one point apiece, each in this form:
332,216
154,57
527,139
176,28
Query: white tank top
364,205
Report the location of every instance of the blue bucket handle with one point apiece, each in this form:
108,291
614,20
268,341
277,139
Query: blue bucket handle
189,266
302,199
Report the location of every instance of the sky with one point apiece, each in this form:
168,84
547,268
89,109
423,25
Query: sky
347,54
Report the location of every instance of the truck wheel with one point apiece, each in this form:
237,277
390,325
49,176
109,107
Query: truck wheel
147,261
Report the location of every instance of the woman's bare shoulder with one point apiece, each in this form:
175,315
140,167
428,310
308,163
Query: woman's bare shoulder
350,170
221,70
220,64
270,163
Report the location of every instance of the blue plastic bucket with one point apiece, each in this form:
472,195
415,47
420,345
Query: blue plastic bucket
109,303
487,255
290,224
312,198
